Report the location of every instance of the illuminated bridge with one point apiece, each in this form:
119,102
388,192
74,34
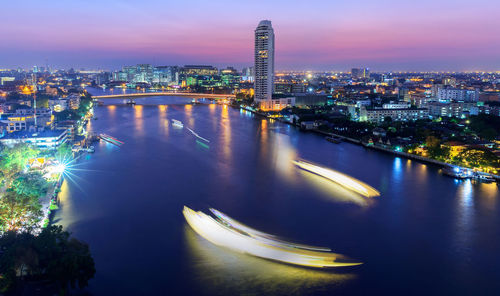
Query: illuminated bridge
174,94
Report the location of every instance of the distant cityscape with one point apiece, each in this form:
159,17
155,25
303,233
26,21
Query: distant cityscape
438,115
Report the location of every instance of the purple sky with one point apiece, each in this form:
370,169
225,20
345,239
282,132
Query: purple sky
448,35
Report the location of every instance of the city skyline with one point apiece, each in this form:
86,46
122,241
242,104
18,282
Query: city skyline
436,36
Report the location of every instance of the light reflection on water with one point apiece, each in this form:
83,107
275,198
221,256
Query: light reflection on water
111,111
397,168
138,119
465,214
283,154
224,272
263,134
491,194
226,134
188,109
163,123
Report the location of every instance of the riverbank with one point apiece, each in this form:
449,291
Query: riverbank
370,146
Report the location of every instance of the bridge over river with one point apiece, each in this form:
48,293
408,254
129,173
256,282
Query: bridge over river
174,94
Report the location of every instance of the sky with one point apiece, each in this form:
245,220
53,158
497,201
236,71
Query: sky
383,35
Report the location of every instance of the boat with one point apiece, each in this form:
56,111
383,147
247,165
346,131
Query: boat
100,103
457,172
111,140
483,177
224,231
332,139
130,102
177,123
90,149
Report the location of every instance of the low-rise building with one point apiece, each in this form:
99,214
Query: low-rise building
47,139
455,94
406,114
396,105
454,109
305,99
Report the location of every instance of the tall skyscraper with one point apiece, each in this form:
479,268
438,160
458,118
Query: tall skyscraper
264,64
360,73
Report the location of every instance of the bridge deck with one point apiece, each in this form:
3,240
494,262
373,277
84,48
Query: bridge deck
176,94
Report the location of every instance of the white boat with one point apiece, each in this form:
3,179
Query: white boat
177,123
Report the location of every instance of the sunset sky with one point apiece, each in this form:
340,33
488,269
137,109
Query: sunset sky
450,35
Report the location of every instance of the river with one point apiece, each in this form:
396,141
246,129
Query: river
425,234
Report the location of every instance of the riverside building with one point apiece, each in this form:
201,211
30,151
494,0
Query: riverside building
264,65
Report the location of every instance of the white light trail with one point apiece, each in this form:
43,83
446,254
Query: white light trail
337,177
231,234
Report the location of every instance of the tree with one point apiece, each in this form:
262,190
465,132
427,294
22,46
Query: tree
13,161
479,158
432,142
31,184
18,211
435,150
52,255
64,153
487,126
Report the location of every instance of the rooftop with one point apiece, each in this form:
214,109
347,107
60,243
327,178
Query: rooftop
31,134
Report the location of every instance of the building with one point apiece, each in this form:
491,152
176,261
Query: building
455,109
396,105
289,88
456,94
379,115
199,70
360,73
6,79
47,139
61,104
248,74
280,102
24,119
74,101
264,64
306,99
17,123
51,91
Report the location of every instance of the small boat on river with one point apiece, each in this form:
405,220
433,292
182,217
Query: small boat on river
177,123
332,139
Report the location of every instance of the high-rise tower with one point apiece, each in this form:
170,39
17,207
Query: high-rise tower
264,64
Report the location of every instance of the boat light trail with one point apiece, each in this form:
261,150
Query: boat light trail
198,136
111,140
339,178
226,232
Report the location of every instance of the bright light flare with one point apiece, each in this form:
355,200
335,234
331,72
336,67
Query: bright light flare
226,232
59,168
337,177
